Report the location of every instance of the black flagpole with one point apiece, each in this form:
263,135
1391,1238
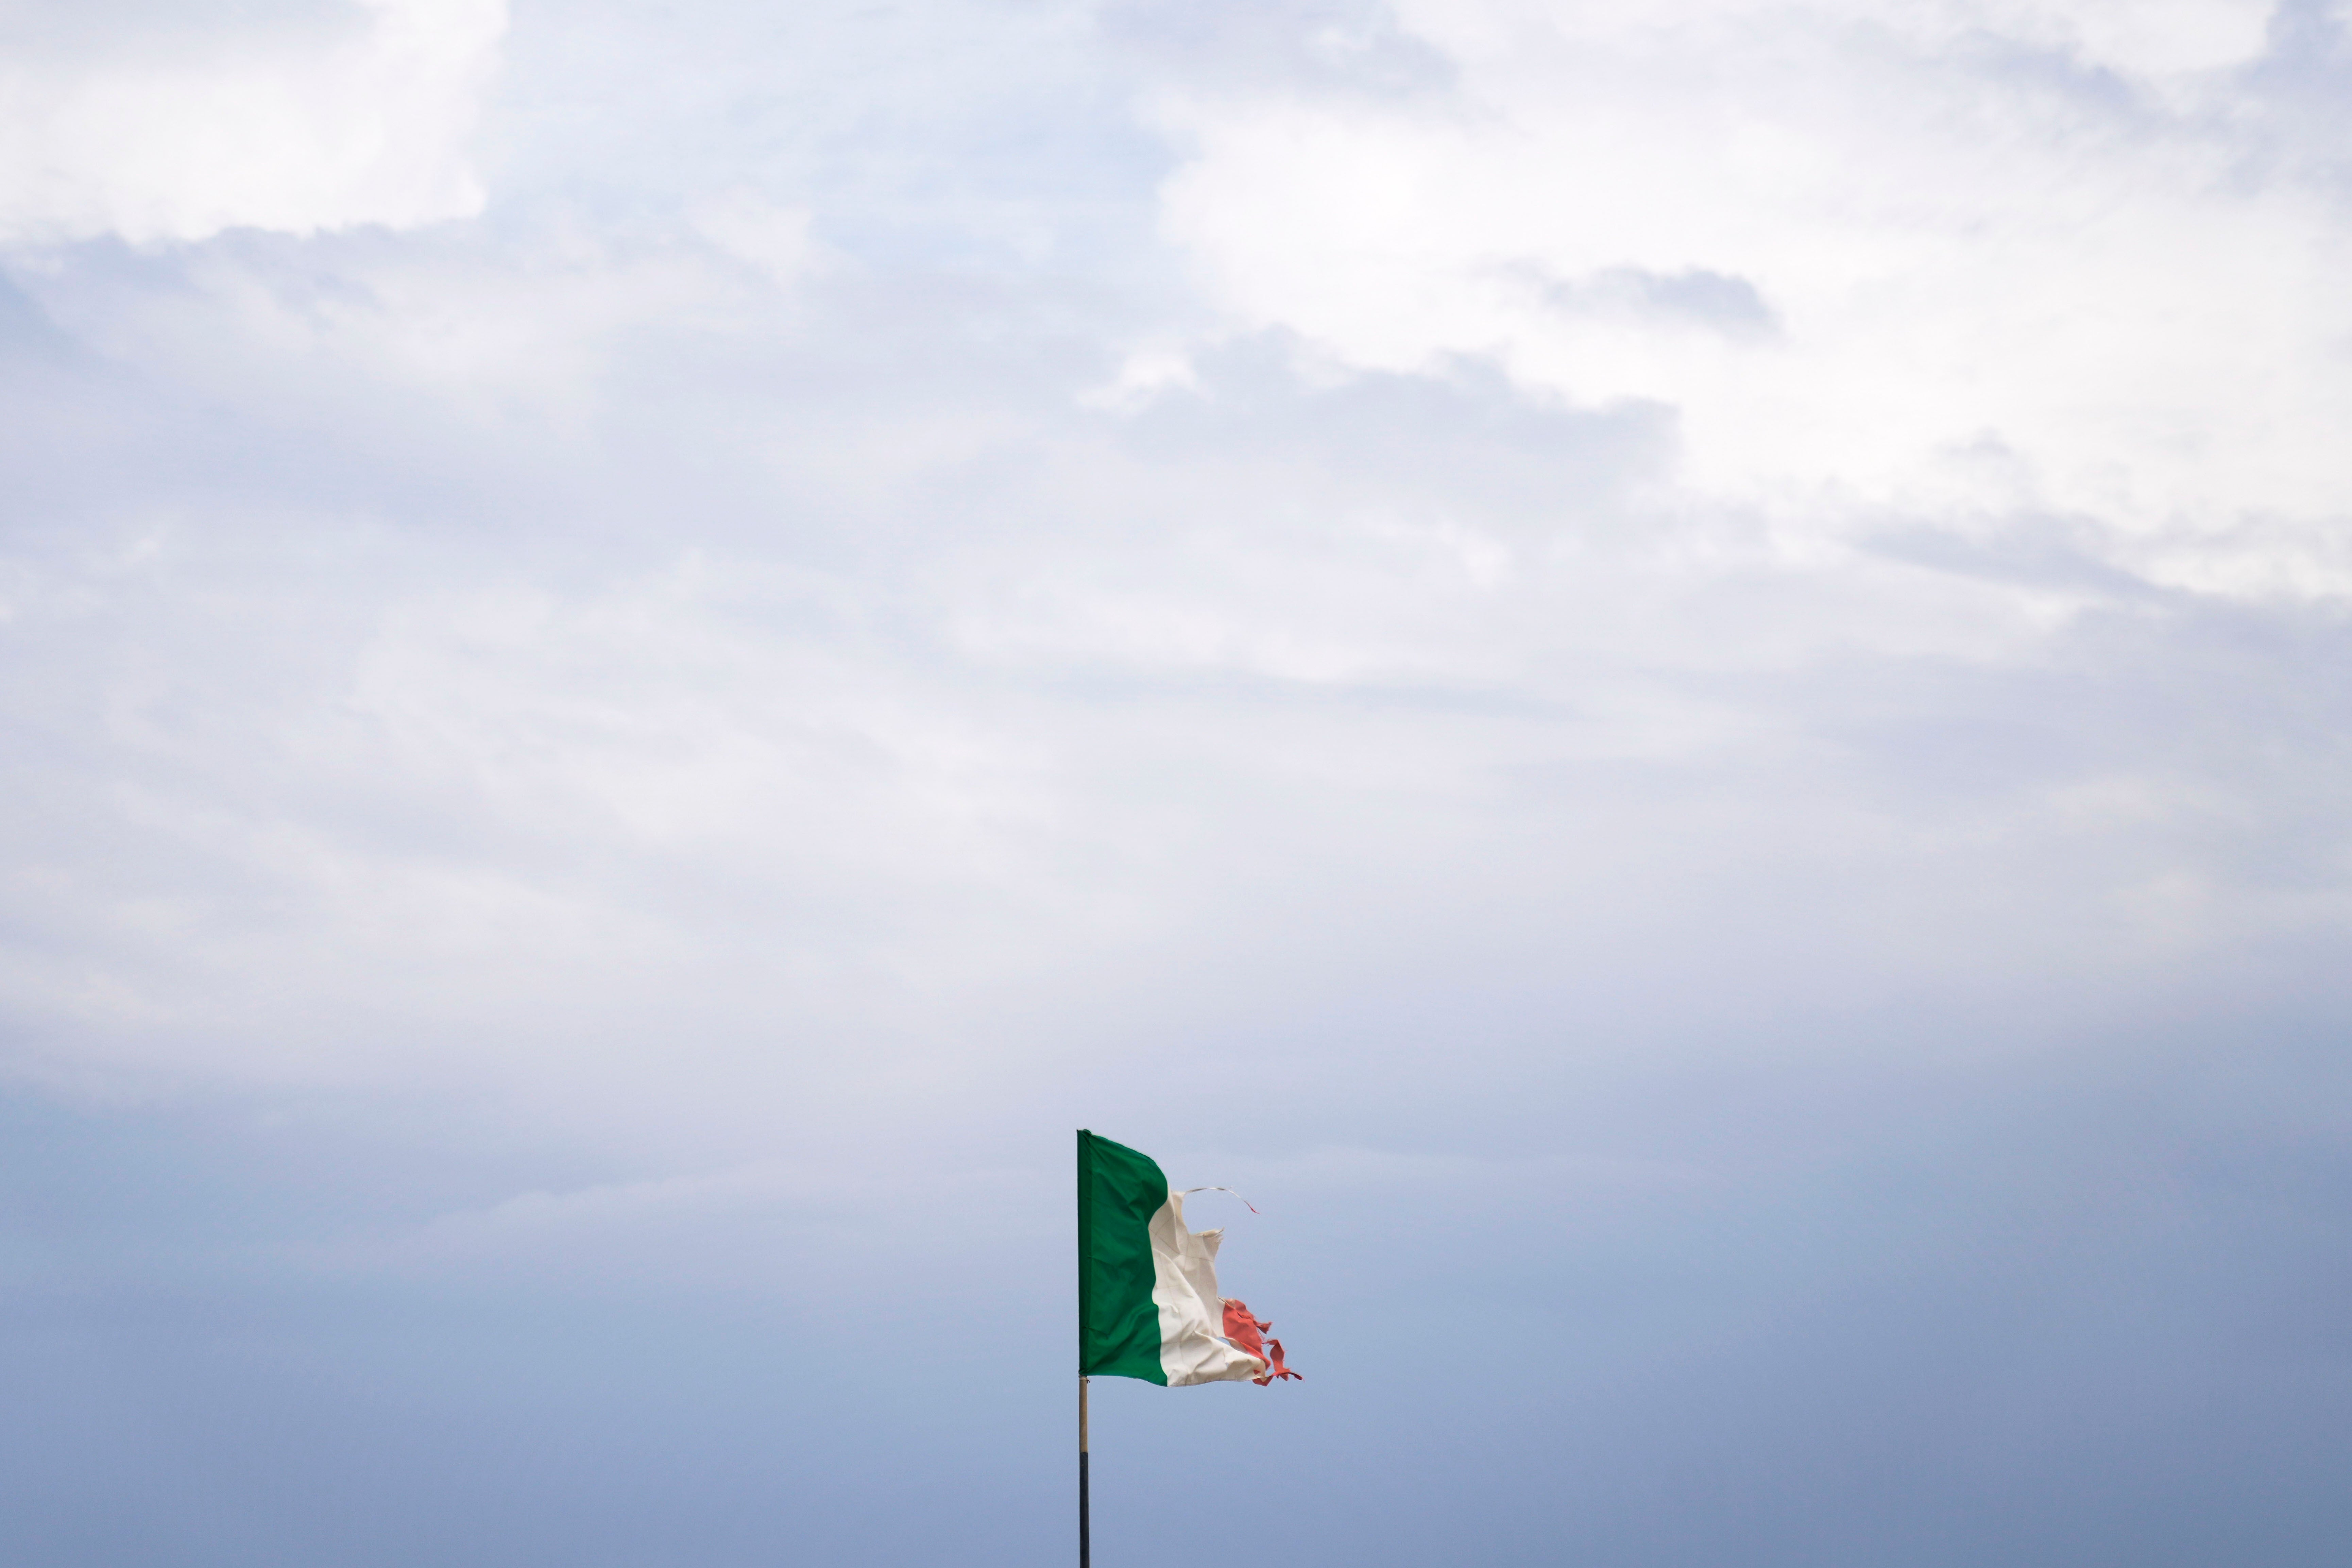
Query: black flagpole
1083,1544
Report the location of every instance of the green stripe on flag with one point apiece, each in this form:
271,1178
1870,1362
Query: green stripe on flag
1118,1325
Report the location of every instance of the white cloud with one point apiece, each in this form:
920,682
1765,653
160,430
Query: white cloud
1954,263
364,122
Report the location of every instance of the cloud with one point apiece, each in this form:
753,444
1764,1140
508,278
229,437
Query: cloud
1538,636
2059,260
775,715
334,116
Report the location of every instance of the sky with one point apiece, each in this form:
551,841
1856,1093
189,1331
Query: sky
1676,678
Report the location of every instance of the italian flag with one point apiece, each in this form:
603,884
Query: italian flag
1147,1301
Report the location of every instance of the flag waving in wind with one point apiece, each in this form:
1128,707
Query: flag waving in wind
1147,1301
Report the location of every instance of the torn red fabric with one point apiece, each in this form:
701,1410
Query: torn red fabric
1243,1327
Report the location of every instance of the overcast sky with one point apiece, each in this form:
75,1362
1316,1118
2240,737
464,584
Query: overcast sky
1678,677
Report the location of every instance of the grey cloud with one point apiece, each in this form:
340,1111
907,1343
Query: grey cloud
1345,46
1692,297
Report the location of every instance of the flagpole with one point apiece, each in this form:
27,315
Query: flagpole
1083,1544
